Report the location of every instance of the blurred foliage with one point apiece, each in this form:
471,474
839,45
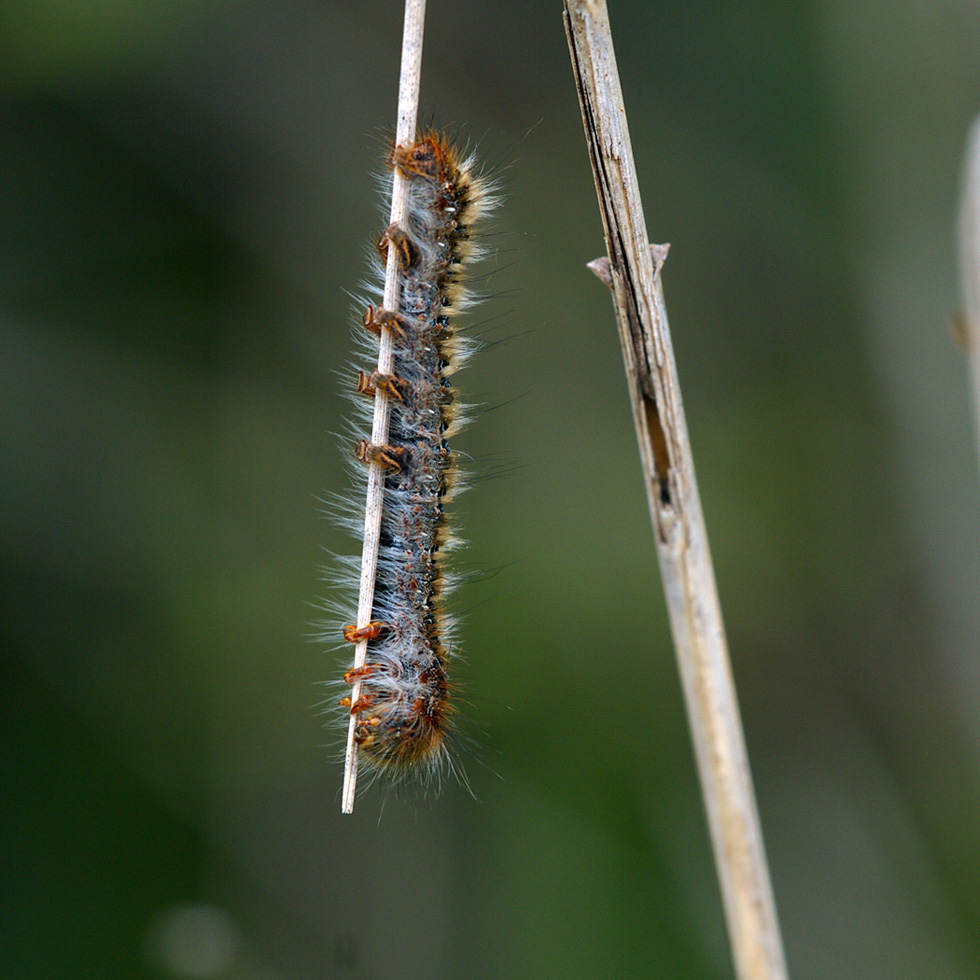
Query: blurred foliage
186,207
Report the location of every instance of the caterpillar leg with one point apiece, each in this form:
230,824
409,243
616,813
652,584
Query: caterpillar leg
377,317
423,159
371,384
354,634
405,248
359,673
388,457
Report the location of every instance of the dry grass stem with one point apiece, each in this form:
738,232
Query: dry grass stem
969,247
633,273
408,102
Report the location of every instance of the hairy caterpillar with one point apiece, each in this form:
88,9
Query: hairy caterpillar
404,710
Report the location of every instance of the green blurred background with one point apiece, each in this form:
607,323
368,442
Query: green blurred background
186,200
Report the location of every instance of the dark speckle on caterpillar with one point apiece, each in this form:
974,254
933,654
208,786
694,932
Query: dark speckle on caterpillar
404,711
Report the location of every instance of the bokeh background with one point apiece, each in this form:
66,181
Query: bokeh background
187,198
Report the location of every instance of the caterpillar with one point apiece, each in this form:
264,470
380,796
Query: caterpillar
404,711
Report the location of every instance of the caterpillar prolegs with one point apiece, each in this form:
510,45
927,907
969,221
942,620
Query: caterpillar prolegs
404,710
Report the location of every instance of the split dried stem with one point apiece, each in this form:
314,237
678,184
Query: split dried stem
632,271
408,103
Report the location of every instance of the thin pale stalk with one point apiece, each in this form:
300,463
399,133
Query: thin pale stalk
408,103
632,271
969,235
